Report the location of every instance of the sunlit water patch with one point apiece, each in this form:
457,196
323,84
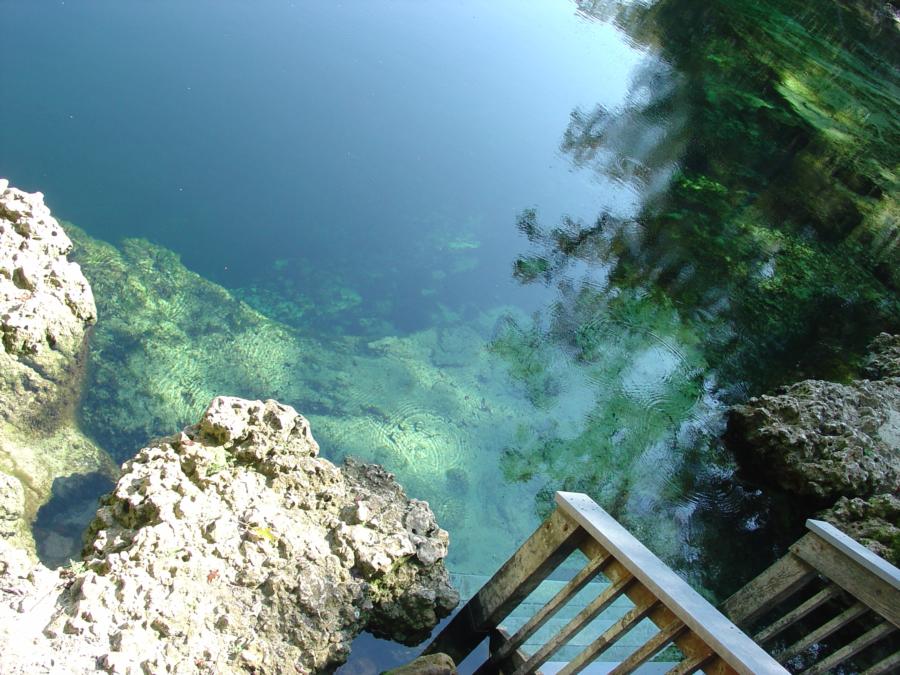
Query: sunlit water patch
475,415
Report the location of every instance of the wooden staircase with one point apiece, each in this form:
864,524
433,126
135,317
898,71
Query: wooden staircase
851,595
468,585
625,606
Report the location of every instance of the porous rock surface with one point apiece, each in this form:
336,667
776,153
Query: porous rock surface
45,302
884,357
873,522
12,506
231,547
827,440
46,307
430,664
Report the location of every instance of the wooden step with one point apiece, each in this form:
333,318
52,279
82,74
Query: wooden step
469,584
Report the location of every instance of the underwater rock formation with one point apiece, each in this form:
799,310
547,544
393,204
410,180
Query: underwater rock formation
826,440
46,307
230,547
434,407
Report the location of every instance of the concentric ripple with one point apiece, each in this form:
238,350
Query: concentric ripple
429,444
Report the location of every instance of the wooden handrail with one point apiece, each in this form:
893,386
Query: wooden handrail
825,584
711,626
554,540
856,551
839,578
705,636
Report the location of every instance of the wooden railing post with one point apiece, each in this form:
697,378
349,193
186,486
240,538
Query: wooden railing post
731,645
556,538
705,637
842,582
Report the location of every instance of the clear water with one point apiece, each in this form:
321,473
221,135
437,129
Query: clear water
501,248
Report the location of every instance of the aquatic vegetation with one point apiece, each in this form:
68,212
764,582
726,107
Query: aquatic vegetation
297,293
434,406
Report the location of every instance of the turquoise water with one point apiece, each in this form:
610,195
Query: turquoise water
501,248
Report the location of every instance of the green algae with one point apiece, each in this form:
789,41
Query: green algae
433,407
476,416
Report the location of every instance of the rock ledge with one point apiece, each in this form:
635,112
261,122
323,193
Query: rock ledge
232,547
826,440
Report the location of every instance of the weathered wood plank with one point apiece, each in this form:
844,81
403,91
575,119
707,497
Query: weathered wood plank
692,646
850,650
650,648
582,619
890,664
550,544
726,639
691,665
851,613
610,636
859,553
849,574
689,644
576,584
498,639
777,583
830,591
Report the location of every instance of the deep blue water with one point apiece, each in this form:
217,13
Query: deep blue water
238,133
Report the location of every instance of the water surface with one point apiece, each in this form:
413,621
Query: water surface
501,248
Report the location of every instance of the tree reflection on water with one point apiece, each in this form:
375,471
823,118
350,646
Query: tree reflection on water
761,140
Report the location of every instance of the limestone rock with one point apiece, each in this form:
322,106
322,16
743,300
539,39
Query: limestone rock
12,505
873,522
46,303
46,307
232,547
826,440
432,664
884,357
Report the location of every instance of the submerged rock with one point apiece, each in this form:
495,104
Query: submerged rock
432,664
832,441
232,547
46,307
